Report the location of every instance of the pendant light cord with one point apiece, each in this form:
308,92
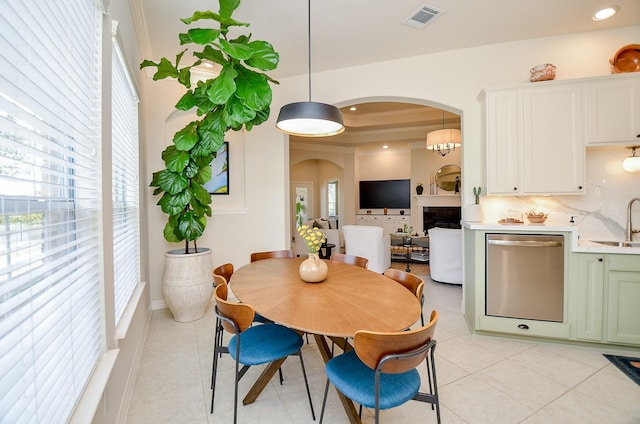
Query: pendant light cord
309,43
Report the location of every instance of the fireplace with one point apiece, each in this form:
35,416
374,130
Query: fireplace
441,216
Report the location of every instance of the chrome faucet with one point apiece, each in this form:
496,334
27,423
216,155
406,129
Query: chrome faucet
629,227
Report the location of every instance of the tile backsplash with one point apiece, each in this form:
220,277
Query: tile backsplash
600,213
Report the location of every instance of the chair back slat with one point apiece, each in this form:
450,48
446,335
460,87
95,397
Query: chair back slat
273,254
225,270
371,347
412,282
240,313
350,259
218,280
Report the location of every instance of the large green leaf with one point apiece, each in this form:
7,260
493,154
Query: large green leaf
236,113
191,170
209,53
261,117
205,147
187,137
227,7
264,57
201,15
184,75
200,193
253,88
171,182
165,69
200,209
187,101
173,204
202,36
223,86
204,175
175,160
170,232
191,226
236,50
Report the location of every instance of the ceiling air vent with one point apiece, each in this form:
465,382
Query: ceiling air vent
422,16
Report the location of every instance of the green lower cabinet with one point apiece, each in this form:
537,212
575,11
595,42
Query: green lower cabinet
623,315
590,300
607,290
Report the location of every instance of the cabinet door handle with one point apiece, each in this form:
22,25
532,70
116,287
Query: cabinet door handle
579,187
599,259
515,189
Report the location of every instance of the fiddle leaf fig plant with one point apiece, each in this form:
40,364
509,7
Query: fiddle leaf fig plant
240,96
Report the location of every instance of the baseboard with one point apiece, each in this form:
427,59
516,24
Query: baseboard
158,304
126,398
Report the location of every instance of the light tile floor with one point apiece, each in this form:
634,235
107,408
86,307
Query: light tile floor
481,379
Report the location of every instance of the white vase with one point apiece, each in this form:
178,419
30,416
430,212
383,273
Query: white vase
313,269
187,283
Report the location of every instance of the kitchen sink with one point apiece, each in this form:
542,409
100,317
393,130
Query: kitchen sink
619,243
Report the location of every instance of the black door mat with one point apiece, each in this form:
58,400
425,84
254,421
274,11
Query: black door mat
628,365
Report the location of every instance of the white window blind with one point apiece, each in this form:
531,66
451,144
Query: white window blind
125,191
51,307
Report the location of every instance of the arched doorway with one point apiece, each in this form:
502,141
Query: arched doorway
400,124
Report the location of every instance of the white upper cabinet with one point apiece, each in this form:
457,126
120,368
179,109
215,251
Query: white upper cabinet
535,139
613,110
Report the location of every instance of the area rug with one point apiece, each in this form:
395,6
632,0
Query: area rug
629,366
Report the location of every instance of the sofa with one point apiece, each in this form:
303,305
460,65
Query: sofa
369,242
327,226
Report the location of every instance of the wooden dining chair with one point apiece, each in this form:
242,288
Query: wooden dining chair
272,254
350,259
225,270
381,371
411,282
252,345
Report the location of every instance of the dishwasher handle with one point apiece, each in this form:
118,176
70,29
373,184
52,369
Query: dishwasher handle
524,243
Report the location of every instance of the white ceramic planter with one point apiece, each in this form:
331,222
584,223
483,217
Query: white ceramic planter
187,283
473,213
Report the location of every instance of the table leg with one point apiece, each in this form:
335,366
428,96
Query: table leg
347,404
262,381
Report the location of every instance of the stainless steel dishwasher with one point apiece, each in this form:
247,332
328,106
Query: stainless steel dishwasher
525,276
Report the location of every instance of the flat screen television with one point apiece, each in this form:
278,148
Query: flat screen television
379,194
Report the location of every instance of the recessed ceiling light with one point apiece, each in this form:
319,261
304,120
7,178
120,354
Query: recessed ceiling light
605,13
385,147
352,108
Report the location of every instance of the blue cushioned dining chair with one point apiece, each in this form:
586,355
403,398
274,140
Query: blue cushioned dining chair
381,371
252,345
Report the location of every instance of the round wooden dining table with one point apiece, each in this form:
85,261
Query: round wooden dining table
351,298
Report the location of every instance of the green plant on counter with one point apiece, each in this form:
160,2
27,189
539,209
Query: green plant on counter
476,193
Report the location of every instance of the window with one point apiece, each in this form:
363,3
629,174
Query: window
332,198
125,196
51,306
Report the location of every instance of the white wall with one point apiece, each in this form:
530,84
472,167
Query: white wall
453,78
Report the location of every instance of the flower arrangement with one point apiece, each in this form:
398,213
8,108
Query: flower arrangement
313,237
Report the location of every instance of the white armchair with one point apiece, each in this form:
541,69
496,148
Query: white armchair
369,242
445,255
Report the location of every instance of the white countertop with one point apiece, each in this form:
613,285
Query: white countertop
577,245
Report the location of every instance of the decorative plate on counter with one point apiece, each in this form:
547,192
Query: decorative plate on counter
510,221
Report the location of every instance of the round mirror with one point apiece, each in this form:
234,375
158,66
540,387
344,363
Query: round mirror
448,178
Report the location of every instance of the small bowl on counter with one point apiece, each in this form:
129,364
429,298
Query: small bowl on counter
536,217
